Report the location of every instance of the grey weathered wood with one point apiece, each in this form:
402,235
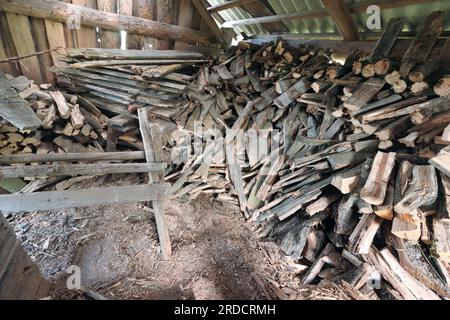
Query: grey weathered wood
88,156
422,190
408,286
364,94
151,138
362,236
387,39
115,62
423,42
15,109
67,199
101,53
442,162
292,93
78,169
236,174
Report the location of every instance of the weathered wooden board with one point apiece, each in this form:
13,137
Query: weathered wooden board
7,48
86,36
86,156
46,200
78,169
108,38
387,39
41,43
20,277
151,138
15,109
56,39
20,28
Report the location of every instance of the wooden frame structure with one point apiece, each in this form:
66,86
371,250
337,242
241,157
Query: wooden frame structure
156,191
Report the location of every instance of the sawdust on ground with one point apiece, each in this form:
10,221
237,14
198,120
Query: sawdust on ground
215,254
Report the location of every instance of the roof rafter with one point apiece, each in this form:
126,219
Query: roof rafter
229,5
359,7
341,16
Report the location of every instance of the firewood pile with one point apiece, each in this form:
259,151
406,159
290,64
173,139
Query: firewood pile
345,165
63,125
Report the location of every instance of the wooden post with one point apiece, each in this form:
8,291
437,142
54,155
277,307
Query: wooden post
109,39
164,14
86,36
151,137
185,15
145,9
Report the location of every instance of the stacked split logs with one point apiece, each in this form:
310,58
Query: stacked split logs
345,165
65,126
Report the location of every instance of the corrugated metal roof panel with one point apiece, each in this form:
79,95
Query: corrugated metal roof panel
239,14
414,14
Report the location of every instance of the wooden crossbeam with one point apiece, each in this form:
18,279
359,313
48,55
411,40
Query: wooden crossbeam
359,7
84,156
341,16
78,169
62,12
47,200
229,5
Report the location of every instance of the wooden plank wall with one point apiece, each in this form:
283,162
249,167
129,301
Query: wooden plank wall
20,277
23,35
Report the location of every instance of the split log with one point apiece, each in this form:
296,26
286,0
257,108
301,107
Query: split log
442,88
374,190
421,191
362,236
399,278
61,104
364,94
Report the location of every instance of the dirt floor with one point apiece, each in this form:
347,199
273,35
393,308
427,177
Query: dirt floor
215,254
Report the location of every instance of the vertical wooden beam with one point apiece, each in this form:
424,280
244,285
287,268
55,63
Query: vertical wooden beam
20,28
164,14
41,43
86,36
125,7
185,15
151,138
212,25
342,18
70,34
7,48
145,9
55,36
109,39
